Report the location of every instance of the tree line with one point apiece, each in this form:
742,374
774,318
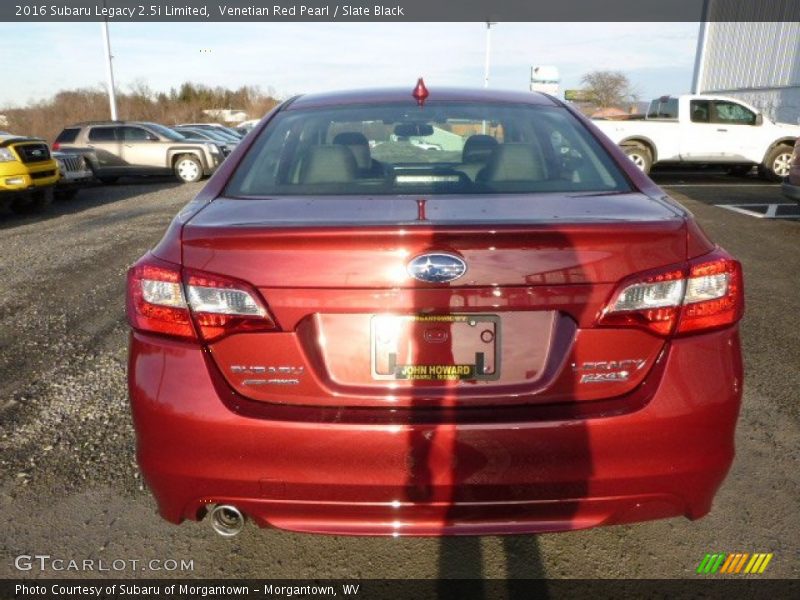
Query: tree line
182,104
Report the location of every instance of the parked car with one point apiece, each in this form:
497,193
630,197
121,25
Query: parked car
117,149
791,186
550,343
27,173
213,127
226,144
702,129
75,173
425,145
246,127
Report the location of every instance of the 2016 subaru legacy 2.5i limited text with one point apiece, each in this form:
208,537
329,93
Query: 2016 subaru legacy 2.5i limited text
349,332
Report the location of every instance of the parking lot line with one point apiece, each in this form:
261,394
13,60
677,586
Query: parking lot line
765,211
719,185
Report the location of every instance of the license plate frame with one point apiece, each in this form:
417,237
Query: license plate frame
429,348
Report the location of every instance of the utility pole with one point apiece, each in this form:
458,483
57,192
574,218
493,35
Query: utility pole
488,52
112,93
486,64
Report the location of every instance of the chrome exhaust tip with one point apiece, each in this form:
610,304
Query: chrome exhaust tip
227,520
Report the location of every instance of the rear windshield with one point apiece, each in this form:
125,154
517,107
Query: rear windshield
168,133
442,148
68,136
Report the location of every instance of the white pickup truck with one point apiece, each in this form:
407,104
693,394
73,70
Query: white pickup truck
703,129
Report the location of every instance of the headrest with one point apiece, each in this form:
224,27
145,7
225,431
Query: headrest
478,148
515,162
328,164
359,146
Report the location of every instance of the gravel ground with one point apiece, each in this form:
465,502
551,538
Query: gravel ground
69,486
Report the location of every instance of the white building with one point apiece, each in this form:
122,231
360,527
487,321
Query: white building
758,62
228,115
545,79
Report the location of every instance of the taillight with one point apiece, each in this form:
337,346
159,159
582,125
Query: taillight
705,295
155,298
160,300
714,295
221,306
55,146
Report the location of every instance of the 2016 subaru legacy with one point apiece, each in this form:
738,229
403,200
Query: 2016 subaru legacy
346,332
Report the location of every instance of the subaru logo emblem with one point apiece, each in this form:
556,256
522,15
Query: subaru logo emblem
436,267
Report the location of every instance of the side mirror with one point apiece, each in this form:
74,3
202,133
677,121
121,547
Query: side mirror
759,119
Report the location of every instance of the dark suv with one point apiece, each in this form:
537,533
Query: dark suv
124,148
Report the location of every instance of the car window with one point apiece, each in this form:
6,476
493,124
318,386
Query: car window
136,134
733,113
67,136
103,134
166,132
208,135
193,133
441,148
700,111
663,108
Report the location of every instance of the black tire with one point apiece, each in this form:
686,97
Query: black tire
36,202
66,194
740,170
776,164
188,168
640,156
108,180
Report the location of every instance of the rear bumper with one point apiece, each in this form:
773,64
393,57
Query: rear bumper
666,458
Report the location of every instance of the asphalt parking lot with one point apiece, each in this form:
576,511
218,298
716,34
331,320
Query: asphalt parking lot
69,487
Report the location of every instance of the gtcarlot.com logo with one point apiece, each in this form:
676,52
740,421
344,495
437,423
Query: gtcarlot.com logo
45,562
737,563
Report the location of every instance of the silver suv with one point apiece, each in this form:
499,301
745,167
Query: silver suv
116,149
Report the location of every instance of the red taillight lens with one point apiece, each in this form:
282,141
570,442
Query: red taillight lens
161,301
221,306
155,300
714,295
55,146
706,295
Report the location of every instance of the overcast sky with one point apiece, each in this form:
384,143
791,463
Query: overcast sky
41,59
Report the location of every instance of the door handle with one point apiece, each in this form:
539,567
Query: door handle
90,145
722,130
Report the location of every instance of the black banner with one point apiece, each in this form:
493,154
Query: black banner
749,587
400,10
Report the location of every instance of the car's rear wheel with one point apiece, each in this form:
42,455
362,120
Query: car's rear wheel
188,168
37,202
640,156
777,163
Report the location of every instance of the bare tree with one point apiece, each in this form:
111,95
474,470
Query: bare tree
609,88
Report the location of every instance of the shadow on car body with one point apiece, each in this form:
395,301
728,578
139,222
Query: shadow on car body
448,467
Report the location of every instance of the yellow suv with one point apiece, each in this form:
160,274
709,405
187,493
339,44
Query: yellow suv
28,173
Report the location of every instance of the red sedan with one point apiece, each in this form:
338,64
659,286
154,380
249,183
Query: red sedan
517,331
